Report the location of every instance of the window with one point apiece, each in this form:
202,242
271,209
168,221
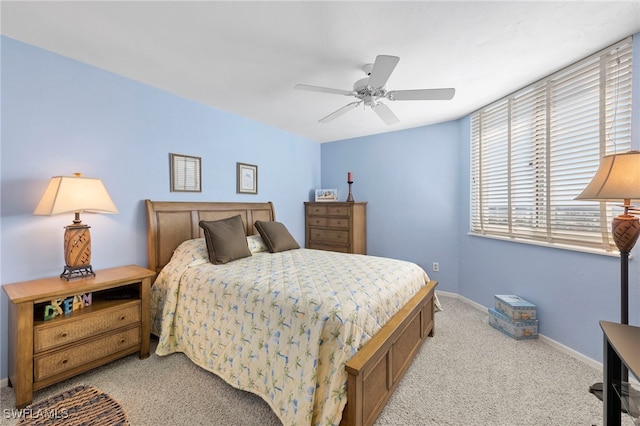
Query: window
534,151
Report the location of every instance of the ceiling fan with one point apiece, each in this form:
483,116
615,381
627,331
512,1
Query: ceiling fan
370,90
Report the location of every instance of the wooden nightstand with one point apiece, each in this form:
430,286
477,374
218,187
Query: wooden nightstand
115,324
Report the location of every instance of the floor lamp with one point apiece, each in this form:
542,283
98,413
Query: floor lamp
618,178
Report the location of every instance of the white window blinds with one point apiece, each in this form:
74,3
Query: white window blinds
535,150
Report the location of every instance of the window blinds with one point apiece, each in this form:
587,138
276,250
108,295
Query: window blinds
535,150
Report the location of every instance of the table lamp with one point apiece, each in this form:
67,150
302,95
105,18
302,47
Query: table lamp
76,194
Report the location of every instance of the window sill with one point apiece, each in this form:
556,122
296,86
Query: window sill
589,250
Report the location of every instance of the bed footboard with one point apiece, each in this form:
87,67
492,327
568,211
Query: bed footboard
375,371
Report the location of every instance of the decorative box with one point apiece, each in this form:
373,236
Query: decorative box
515,307
516,329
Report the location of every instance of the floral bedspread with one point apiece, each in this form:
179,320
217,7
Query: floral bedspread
280,325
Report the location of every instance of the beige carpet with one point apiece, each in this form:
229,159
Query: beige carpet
468,374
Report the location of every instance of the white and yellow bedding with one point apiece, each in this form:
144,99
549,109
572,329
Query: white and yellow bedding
280,325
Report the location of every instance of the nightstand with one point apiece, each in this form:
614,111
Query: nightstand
110,321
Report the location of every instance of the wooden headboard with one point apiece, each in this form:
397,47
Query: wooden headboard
169,223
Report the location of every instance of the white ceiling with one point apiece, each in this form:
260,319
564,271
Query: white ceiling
245,57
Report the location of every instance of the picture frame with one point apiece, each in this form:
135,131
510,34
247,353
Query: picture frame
186,173
246,178
326,195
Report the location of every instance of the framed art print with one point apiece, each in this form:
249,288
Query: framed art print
326,195
186,172
246,178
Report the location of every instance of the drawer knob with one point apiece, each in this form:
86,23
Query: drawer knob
122,318
64,361
63,334
123,340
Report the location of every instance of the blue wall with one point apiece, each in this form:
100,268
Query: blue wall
409,179
60,116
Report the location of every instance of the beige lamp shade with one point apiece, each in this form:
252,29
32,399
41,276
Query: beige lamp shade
66,194
617,179
75,194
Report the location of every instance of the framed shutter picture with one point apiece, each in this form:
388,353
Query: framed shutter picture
186,172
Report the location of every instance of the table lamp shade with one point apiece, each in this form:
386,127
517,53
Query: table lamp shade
76,194
617,179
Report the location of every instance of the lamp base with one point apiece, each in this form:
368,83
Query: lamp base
77,246
77,272
625,229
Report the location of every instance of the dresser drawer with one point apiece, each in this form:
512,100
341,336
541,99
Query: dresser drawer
317,221
317,210
340,249
329,236
338,211
50,336
338,222
78,355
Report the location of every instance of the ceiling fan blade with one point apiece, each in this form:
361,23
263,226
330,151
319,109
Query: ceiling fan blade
421,95
385,113
339,112
382,69
324,90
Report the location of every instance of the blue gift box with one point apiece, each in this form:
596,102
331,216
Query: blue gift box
515,307
521,329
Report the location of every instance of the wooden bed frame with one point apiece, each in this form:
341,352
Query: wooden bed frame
375,370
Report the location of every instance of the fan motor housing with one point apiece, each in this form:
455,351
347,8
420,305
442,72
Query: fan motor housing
362,88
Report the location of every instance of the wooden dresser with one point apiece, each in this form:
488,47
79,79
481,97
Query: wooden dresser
336,226
115,323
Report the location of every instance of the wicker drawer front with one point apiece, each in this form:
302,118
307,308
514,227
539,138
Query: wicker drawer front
46,337
329,236
338,211
74,356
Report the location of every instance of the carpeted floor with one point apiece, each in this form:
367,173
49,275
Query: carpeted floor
468,374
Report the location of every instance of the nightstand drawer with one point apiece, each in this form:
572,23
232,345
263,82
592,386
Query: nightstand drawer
61,332
329,236
78,355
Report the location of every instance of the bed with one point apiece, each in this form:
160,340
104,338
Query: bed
370,364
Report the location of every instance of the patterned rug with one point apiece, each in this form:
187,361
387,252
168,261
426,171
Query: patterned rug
82,405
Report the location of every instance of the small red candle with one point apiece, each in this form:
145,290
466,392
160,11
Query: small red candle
349,177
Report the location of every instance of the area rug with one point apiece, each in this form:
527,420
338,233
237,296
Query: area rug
82,405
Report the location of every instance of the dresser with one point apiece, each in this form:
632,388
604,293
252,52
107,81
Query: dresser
60,328
336,226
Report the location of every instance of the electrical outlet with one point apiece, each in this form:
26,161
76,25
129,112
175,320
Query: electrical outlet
436,267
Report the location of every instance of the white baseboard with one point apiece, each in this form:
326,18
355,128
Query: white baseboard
4,382
562,348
